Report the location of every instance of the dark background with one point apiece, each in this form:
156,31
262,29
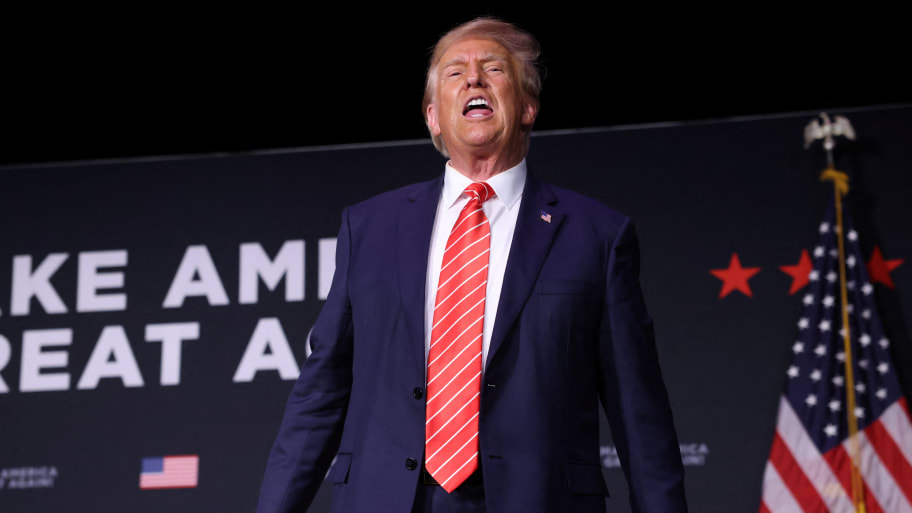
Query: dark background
119,83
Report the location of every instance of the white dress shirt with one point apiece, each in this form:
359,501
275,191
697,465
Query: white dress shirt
501,211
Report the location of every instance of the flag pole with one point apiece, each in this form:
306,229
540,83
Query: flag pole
827,130
841,188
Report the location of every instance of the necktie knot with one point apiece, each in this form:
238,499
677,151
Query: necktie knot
479,191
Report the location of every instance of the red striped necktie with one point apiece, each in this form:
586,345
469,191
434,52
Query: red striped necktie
454,358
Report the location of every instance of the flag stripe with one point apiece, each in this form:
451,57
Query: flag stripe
806,455
839,461
883,487
775,494
896,421
891,457
793,477
871,504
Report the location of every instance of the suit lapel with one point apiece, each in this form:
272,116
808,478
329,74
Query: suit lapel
531,240
416,222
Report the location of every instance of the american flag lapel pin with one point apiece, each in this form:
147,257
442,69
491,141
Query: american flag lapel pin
546,217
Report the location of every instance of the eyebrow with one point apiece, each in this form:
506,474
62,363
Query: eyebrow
488,57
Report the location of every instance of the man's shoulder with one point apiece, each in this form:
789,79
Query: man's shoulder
582,207
394,197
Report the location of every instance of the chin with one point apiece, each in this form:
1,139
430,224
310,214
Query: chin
484,138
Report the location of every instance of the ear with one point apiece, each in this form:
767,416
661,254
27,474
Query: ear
432,121
530,111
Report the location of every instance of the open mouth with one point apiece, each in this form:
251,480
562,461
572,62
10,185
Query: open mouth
477,107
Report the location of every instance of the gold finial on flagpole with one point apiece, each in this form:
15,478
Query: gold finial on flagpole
827,130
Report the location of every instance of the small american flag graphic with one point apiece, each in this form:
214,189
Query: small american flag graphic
546,217
169,472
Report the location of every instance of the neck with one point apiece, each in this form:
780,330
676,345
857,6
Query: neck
479,167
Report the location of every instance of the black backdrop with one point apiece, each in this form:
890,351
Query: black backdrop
119,241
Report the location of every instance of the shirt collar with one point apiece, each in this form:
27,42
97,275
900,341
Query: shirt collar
508,185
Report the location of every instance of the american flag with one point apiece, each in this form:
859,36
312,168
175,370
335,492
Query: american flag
809,468
169,472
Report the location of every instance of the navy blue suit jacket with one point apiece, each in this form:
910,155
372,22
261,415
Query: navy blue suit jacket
571,330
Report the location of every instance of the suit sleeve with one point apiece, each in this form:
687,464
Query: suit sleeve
311,428
631,388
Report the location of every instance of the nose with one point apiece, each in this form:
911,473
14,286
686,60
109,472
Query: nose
474,76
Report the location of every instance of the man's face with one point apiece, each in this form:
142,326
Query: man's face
478,101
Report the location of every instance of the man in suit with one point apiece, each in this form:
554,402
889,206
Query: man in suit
474,323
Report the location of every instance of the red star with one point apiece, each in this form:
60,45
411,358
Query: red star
799,272
879,269
735,277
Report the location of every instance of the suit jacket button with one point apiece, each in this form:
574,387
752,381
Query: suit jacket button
411,464
418,393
